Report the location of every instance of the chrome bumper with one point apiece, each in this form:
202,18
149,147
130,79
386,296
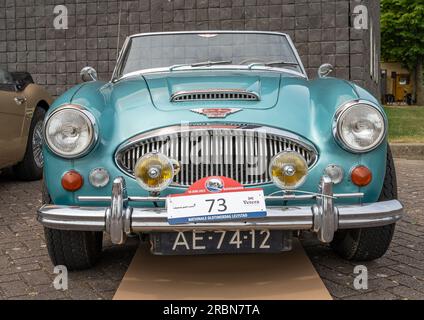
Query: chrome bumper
322,218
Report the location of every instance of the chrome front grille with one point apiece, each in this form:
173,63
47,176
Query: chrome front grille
240,152
221,94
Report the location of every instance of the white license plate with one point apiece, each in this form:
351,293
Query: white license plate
212,207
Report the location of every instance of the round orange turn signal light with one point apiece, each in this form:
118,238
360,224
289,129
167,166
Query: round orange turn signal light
72,181
361,176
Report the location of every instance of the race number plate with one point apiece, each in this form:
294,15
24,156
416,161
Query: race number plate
217,242
212,207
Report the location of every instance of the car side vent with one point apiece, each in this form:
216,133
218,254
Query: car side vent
211,95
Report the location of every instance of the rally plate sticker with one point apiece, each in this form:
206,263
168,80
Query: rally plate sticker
213,207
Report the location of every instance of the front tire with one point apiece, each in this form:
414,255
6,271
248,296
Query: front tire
368,244
77,250
31,167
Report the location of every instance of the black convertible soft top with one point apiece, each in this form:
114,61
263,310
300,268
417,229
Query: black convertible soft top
22,79
14,81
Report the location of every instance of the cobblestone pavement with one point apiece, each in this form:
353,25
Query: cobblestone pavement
400,273
26,271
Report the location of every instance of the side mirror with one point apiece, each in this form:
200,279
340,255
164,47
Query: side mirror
324,70
88,74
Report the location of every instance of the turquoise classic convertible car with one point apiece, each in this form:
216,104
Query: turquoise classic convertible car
216,142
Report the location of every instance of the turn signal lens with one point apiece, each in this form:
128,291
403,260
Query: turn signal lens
361,176
72,181
99,177
288,170
335,173
154,171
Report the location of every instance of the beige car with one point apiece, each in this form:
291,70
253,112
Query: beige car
23,106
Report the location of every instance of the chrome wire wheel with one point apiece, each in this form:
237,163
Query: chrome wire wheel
37,144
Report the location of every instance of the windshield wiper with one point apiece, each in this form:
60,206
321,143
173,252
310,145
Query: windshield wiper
200,64
210,63
271,63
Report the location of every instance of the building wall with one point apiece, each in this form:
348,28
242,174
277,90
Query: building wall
371,52
320,29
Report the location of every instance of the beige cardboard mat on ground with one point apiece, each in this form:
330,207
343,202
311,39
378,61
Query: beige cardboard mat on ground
289,275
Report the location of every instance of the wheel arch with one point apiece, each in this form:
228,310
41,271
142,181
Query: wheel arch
43,104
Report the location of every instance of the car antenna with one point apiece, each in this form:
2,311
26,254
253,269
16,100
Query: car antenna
119,29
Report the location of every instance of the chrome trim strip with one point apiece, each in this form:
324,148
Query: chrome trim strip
165,70
296,53
207,31
336,123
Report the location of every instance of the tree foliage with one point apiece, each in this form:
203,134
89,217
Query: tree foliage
402,31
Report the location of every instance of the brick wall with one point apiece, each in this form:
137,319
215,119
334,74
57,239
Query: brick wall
320,29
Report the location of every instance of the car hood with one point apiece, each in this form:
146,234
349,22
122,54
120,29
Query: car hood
162,87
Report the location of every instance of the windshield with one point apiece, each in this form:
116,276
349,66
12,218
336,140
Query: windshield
193,50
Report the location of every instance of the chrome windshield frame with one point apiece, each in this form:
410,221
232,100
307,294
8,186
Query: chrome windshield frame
122,54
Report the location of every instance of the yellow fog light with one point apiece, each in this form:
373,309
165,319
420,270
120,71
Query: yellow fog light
154,171
288,170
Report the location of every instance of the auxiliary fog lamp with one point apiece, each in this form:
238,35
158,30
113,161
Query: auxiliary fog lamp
154,171
288,170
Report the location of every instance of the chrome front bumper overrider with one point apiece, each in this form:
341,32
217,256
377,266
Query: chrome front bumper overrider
323,218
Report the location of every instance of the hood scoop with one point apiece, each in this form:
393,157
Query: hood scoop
214,95
185,90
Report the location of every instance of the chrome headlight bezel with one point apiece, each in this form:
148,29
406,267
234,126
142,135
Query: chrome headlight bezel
91,121
342,111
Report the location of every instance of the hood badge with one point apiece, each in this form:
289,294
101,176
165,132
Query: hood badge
216,113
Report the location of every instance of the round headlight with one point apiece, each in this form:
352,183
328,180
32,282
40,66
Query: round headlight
70,132
154,171
288,170
360,127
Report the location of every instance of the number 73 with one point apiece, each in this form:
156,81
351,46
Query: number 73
222,206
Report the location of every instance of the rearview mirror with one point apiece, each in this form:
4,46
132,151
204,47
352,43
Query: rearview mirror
324,70
88,74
